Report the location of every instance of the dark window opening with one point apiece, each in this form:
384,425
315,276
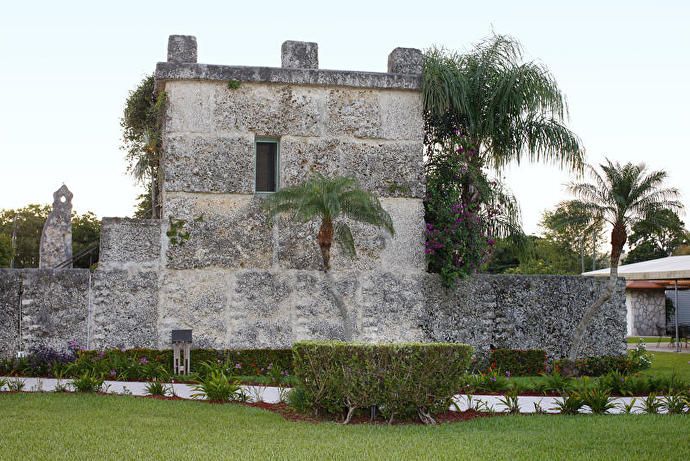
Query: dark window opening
266,166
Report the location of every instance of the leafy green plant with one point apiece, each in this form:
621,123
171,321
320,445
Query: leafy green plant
675,404
582,385
493,381
635,385
15,384
570,404
88,382
555,382
519,362
401,379
613,381
470,130
2,383
598,400
651,404
640,358
176,232
628,407
511,402
298,399
142,122
538,409
157,388
216,386
233,84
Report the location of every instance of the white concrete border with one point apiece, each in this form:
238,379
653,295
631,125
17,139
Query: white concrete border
270,394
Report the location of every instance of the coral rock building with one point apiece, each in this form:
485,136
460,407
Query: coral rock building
215,264
234,134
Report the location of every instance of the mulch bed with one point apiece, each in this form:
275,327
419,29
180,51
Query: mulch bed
290,414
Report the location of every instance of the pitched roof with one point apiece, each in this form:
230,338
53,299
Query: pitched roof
669,268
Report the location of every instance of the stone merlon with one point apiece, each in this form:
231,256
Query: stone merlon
300,62
181,48
299,55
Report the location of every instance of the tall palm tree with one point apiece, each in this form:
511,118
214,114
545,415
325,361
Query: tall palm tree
621,195
489,108
508,109
329,200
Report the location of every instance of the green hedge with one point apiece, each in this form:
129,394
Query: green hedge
518,362
400,379
247,362
144,364
596,366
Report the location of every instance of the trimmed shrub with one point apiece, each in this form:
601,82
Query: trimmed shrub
146,364
595,366
400,379
528,362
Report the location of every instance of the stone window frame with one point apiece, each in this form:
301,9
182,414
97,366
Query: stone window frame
273,140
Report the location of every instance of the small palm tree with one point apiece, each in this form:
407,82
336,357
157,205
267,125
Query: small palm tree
621,195
329,200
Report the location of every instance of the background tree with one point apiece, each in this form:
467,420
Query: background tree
656,238
329,201
86,233
141,138
483,110
26,224
574,229
5,250
621,195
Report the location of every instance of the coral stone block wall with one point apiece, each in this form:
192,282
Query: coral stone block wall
374,134
646,312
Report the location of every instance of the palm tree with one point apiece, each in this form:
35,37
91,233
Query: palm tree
507,108
488,108
621,195
329,200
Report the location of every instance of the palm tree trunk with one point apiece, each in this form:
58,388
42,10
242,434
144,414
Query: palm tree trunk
618,238
582,254
325,240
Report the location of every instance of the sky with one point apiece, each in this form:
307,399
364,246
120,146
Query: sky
67,68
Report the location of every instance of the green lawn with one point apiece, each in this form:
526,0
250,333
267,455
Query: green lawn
647,339
663,364
667,363
68,426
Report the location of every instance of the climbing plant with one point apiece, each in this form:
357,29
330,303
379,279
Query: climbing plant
141,123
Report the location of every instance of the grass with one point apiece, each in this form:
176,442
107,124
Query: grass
647,339
66,426
668,363
664,364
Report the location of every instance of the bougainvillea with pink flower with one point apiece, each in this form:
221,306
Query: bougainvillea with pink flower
465,209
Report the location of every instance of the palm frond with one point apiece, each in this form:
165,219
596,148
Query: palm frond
510,109
343,235
328,200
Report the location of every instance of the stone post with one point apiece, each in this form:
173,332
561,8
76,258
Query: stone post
405,61
182,48
56,239
300,55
